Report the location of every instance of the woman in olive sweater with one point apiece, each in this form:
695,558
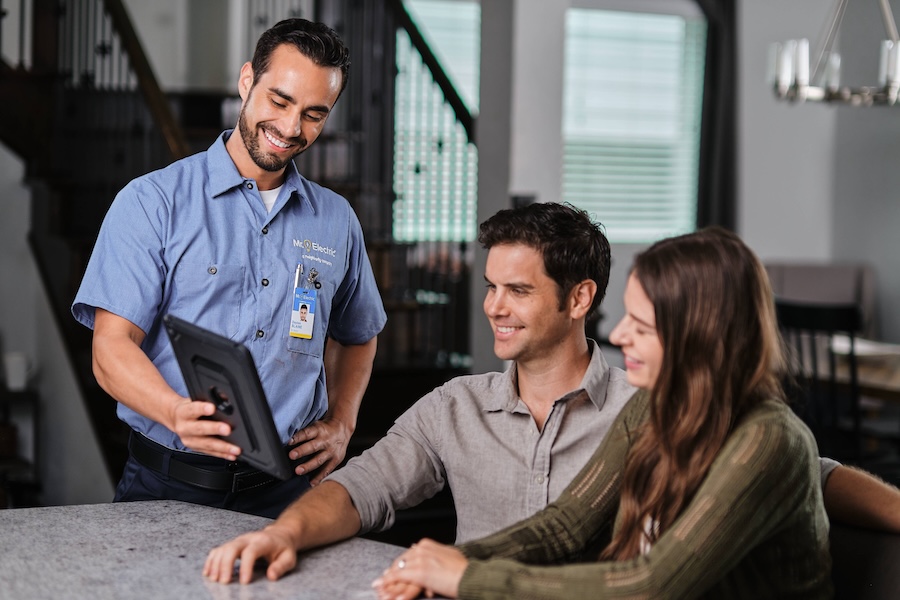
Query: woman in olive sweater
709,482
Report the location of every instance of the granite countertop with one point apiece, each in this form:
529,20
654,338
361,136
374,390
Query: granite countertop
157,550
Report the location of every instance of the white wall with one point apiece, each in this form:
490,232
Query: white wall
785,151
819,182
71,466
493,135
19,284
9,33
537,102
162,27
866,216
195,46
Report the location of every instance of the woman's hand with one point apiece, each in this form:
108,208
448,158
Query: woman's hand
427,566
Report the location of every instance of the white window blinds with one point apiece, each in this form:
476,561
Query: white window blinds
633,91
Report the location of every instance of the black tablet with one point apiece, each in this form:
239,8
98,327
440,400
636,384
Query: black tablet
219,370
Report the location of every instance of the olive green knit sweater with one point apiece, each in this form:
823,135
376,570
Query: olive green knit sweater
756,527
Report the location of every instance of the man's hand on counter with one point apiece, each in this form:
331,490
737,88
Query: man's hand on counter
272,544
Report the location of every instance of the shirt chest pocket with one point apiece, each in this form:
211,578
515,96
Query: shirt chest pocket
209,295
315,345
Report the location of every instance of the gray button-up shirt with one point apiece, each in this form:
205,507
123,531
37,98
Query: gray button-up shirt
476,434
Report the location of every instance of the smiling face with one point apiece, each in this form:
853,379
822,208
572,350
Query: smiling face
282,114
637,337
522,305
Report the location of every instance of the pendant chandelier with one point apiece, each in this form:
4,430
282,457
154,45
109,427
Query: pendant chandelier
792,79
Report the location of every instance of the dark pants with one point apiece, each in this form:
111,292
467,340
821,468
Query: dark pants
269,500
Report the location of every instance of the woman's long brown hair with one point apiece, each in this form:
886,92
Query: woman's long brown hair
721,350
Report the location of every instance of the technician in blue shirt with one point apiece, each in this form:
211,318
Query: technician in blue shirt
232,239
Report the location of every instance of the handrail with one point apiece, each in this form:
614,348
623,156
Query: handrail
149,86
437,71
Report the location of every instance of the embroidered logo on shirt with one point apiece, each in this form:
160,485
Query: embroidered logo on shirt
311,246
315,250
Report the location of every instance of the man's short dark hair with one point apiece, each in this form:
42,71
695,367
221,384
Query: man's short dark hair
573,246
316,41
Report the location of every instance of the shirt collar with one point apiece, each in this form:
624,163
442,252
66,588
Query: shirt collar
224,176
596,378
594,382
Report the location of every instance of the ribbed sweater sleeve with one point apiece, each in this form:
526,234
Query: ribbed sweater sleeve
755,528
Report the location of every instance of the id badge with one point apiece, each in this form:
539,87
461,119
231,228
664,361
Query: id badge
303,311
303,314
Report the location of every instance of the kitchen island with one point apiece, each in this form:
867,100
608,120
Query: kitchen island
156,550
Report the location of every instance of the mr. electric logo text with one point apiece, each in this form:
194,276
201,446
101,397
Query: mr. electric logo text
311,246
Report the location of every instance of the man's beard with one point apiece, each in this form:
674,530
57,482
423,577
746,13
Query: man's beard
262,159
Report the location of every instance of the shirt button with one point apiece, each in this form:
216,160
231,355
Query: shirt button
265,282
265,230
539,479
260,333
249,185
212,270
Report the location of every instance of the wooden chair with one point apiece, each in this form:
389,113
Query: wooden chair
813,386
828,283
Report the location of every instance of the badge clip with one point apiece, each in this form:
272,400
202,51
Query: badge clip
313,279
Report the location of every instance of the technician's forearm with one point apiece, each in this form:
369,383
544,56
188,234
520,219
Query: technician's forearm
125,373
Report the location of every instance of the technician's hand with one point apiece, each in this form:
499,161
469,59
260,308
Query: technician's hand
324,443
427,566
272,544
200,434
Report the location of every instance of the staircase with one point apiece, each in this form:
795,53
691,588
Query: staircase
85,113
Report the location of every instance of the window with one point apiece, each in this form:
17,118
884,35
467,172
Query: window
633,93
435,166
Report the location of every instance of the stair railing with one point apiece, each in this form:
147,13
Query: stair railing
156,101
431,62
109,122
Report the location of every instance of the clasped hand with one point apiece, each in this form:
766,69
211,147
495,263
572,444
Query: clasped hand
427,567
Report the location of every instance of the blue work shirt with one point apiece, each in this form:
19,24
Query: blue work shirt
194,240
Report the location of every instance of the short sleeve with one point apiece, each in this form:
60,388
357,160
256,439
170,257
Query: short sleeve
126,272
826,466
357,311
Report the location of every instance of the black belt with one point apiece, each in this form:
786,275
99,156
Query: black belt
153,456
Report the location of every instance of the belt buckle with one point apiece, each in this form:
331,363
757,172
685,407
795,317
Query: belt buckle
249,480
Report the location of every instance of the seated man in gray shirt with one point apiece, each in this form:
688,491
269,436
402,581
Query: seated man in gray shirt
506,443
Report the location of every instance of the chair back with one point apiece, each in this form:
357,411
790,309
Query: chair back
828,283
821,393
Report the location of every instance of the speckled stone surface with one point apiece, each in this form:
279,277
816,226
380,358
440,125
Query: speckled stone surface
157,550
